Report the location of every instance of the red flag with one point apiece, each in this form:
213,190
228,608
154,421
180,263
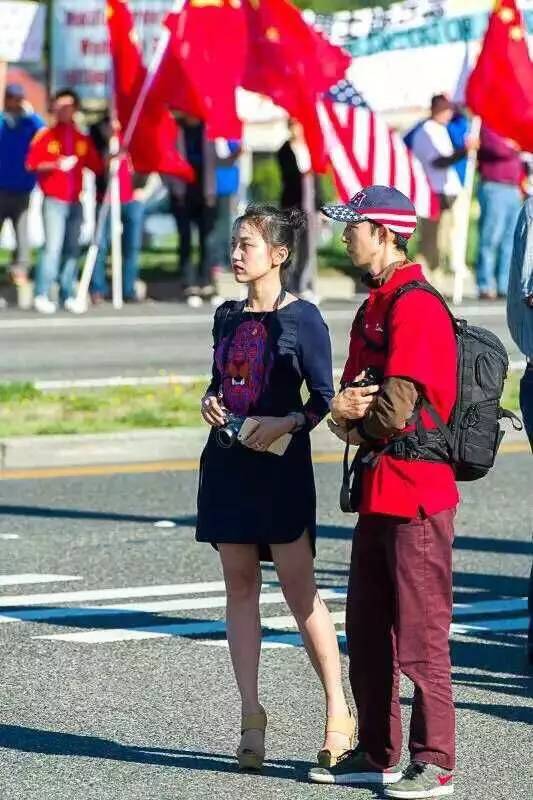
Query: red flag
204,63
153,145
500,88
293,64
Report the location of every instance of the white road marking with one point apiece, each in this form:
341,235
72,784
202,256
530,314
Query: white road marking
9,536
35,577
167,629
158,320
16,600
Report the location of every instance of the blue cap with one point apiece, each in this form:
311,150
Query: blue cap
383,205
15,90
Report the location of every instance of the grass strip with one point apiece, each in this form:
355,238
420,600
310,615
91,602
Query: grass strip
27,411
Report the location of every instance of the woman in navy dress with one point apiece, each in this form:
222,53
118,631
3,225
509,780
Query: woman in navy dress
254,505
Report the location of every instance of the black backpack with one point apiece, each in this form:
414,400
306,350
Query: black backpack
470,440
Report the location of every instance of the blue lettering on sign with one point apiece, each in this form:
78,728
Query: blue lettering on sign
444,30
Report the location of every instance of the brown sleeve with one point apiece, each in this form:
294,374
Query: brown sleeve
393,407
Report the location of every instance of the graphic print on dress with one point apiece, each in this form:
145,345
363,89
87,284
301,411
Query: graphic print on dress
245,372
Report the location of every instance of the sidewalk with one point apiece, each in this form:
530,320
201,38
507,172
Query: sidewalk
330,286
147,446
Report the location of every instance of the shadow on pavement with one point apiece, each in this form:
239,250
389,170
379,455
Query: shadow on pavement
34,740
45,512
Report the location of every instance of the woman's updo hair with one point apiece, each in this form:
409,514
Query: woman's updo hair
279,227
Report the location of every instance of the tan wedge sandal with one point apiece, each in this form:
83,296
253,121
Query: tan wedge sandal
246,757
347,727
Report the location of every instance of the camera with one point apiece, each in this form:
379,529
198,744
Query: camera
227,434
372,377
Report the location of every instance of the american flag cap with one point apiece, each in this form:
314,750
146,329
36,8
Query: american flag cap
383,205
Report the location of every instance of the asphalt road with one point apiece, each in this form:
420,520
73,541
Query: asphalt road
136,701
154,339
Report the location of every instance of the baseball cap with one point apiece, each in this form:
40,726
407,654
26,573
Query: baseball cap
383,205
15,90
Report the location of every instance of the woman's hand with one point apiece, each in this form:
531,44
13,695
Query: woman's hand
212,411
267,431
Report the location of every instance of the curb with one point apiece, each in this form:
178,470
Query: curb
142,446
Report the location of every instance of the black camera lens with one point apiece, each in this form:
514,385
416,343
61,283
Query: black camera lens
226,437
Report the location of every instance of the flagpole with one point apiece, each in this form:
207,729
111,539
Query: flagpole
461,237
92,253
116,223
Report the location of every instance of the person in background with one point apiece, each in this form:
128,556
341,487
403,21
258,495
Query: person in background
59,155
432,145
18,126
131,214
301,190
227,186
520,322
501,172
458,128
194,205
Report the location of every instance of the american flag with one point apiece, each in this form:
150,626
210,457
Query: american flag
363,150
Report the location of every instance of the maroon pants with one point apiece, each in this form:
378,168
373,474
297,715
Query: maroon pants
398,615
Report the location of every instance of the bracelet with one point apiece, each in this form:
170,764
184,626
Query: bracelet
298,423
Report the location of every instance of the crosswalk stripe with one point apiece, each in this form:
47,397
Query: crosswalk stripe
168,629
489,607
36,577
82,596
282,640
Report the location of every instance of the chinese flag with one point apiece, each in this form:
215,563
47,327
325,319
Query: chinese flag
292,64
153,145
204,63
500,88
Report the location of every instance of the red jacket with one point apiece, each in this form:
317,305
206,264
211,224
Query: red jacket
49,144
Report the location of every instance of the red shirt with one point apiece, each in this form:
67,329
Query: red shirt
422,347
49,144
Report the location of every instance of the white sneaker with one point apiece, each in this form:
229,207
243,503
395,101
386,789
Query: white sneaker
194,301
72,305
43,305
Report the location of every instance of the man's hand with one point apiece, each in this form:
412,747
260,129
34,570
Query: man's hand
352,403
529,300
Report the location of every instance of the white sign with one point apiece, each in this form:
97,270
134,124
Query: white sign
21,31
79,55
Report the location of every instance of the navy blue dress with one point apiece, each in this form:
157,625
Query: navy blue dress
261,361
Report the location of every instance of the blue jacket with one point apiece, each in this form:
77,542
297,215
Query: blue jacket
14,145
520,315
227,175
458,130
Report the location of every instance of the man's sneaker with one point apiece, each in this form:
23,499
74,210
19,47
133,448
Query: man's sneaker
422,780
43,305
354,767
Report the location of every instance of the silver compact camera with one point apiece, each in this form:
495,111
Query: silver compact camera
227,434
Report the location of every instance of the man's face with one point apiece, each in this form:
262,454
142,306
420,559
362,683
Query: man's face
13,105
64,109
362,243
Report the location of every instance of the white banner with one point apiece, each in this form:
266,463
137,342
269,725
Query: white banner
21,31
79,55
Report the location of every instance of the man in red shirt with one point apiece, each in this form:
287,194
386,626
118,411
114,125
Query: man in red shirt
59,155
399,603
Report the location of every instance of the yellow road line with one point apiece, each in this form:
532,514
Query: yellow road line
183,465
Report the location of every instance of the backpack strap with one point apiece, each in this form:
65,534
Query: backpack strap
425,287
